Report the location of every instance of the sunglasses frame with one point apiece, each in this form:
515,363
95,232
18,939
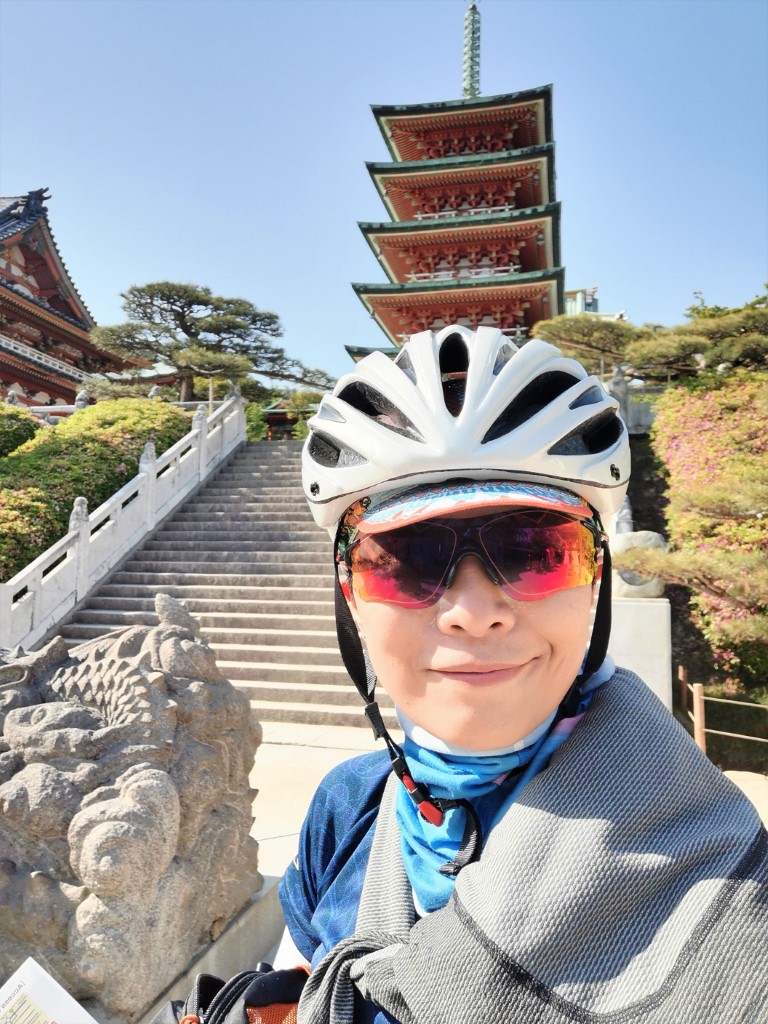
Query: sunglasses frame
463,547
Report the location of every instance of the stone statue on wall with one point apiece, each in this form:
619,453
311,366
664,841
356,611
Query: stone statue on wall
125,810
618,388
624,537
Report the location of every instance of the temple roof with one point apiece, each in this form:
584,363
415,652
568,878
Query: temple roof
24,223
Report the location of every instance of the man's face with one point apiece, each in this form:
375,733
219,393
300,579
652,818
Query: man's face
477,669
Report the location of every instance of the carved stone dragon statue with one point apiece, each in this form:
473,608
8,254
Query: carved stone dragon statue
125,809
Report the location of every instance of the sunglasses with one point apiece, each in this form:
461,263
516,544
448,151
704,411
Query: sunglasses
530,554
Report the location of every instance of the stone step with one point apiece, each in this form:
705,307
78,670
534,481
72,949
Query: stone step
231,484
142,613
303,539
150,561
276,646
316,714
239,475
229,495
310,693
241,517
286,672
280,652
256,500
212,608
213,592
253,527
341,694
263,555
165,580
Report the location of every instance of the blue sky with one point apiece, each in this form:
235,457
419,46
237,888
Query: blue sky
224,143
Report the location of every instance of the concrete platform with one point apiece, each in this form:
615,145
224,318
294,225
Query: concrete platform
290,762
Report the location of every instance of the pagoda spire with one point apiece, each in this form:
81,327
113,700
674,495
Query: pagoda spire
471,62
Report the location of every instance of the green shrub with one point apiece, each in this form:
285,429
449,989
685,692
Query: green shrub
300,431
16,427
92,454
255,422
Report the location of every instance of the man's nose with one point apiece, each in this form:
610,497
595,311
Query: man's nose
473,602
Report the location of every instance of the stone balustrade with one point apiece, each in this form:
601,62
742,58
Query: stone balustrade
38,597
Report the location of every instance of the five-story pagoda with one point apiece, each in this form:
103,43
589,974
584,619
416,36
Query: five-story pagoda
474,236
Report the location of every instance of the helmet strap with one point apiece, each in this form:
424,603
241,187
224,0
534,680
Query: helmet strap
598,642
601,631
349,644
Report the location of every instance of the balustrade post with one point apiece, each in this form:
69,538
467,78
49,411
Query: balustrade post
78,523
6,607
200,424
242,423
148,469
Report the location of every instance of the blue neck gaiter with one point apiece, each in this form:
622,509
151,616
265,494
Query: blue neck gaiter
489,782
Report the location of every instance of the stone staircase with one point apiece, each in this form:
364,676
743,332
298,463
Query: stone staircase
250,564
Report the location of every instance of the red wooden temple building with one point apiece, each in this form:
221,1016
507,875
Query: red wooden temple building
474,230
45,352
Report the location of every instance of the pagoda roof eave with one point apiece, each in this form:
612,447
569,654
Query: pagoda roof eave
458,228
459,284
385,112
468,160
465,103
440,224
358,352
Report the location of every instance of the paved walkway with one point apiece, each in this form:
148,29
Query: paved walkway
292,760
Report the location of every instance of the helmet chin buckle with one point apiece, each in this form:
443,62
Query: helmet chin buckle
373,714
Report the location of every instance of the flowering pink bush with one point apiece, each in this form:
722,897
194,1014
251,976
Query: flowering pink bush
714,448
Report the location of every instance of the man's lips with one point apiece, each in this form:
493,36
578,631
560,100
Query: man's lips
491,673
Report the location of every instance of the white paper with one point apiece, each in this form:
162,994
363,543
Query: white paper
31,996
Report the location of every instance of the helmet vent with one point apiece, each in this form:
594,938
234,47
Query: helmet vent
370,402
595,436
592,396
503,356
532,399
403,362
328,453
454,363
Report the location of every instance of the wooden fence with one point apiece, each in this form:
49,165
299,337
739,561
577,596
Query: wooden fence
697,714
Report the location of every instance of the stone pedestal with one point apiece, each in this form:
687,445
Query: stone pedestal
641,640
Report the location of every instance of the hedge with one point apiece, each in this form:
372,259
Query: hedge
16,427
92,454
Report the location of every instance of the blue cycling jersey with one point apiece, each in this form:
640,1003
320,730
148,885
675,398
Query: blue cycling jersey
320,891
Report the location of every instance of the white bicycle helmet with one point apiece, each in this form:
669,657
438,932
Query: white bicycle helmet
452,405
458,404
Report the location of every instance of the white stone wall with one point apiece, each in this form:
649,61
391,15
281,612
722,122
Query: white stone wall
641,640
